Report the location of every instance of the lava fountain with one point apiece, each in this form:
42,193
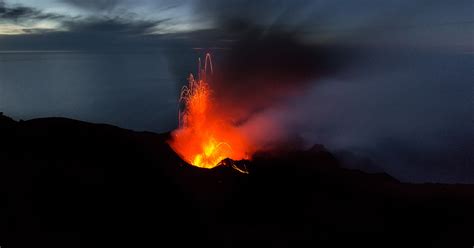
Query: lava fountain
206,136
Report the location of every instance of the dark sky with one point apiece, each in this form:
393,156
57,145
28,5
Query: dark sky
88,24
392,80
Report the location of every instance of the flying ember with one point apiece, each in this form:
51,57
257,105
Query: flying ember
205,137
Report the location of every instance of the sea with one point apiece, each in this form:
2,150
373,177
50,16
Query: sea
133,90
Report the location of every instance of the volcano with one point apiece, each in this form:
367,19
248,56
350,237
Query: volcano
205,137
67,183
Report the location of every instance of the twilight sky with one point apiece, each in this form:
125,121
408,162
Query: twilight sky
85,24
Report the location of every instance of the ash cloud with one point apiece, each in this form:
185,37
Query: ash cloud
261,61
262,64
262,68
385,81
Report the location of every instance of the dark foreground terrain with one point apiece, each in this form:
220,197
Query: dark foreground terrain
66,183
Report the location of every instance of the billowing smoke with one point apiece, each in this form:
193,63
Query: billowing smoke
256,74
256,77
384,81
260,68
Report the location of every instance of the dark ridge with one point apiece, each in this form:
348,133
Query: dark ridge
6,121
67,183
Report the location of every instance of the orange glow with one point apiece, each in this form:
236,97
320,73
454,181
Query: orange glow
205,137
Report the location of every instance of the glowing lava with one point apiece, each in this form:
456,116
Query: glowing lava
205,137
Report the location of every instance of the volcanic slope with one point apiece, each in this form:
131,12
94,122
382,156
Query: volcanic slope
67,183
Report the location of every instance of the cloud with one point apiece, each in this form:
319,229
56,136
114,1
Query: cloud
94,5
274,64
19,20
18,13
33,28
117,34
107,26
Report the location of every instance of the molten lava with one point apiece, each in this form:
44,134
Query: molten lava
206,137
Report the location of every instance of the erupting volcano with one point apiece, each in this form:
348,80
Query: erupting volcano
205,136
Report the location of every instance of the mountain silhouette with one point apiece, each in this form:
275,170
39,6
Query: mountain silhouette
68,183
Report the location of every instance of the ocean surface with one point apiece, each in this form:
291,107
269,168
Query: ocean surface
134,90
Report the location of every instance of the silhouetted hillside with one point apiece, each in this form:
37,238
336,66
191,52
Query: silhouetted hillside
67,183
